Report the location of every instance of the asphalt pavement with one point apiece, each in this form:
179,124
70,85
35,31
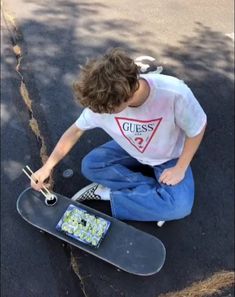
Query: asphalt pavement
191,40
32,264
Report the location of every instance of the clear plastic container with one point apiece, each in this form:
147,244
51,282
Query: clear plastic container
83,226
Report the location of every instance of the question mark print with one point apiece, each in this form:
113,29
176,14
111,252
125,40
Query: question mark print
139,140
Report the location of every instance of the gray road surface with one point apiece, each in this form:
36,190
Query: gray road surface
193,41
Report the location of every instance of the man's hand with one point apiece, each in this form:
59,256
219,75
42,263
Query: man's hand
41,175
172,176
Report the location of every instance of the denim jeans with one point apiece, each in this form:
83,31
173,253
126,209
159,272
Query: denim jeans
134,194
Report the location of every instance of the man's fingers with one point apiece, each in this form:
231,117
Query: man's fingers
36,187
165,179
47,185
163,176
168,180
171,182
36,184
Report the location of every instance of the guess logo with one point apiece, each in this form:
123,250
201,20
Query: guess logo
138,133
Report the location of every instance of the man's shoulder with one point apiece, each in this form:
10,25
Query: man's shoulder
165,82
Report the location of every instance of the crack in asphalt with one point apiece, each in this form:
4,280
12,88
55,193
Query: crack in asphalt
76,270
213,285
33,123
16,36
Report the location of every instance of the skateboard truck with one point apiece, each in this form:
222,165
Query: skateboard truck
50,198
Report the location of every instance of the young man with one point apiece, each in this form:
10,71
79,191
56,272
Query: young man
154,120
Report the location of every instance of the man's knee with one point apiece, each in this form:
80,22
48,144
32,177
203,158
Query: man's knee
92,162
86,166
182,210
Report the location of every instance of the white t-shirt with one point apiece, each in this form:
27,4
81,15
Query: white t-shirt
154,132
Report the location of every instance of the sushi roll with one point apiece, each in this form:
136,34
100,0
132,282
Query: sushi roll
88,238
77,232
94,242
65,227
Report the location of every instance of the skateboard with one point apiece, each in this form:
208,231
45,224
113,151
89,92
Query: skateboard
123,246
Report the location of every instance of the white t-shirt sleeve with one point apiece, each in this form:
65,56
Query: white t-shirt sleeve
189,115
86,120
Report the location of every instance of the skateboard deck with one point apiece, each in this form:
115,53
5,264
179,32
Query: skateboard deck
123,246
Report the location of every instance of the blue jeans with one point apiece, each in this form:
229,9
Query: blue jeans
135,195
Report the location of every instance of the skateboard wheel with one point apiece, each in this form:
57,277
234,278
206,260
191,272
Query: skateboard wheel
41,231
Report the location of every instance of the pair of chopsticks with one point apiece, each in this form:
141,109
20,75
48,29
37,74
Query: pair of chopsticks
46,193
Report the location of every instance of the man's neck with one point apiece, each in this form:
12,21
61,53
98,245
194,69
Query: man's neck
141,95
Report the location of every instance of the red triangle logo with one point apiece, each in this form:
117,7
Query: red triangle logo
138,133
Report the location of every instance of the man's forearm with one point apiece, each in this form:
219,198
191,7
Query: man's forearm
190,147
62,148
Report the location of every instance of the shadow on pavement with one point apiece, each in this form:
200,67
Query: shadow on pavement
60,38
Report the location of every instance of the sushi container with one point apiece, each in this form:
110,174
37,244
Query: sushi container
83,226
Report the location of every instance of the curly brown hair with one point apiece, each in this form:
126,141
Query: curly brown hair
107,82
